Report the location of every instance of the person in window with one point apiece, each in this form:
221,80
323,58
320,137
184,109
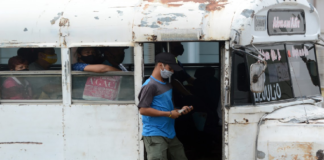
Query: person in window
17,87
45,87
87,61
98,87
27,53
45,58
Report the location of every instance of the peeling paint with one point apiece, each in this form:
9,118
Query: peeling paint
260,155
25,30
97,18
64,22
120,12
213,6
248,13
56,18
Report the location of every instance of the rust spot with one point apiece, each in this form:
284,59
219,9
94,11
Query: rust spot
159,22
246,120
174,5
201,37
152,38
146,6
271,157
21,143
206,16
64,22
133,35
212,6
295,157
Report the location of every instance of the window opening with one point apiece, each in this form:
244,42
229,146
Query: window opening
29,74
103,73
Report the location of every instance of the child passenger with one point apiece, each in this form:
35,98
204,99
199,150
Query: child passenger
16,87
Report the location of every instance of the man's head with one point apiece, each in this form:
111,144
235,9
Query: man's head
176,48
166,64
87,54
17,63
115,55
46,55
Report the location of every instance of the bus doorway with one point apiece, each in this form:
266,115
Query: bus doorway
198,84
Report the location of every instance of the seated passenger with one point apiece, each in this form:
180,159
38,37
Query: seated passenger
27,53
99,87
45,58
16,87
87,60
45,87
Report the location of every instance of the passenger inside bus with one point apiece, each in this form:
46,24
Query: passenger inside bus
45,87
98,87
87,57
17,87
28,53
45,58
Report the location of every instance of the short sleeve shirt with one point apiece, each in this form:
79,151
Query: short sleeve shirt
79,66
157,95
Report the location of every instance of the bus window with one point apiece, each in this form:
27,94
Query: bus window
278,81
110,84
303,67
29,74
241,94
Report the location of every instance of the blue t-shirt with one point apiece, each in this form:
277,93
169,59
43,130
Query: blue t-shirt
79,66
157,95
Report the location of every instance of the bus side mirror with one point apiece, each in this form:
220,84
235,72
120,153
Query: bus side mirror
257,77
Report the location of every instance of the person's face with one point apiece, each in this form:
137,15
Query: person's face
176,48
21,67
167,67
115,55
87,52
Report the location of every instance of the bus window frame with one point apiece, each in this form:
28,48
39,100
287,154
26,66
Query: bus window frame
41,72
110,73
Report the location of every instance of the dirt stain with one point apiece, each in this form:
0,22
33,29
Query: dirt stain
213,6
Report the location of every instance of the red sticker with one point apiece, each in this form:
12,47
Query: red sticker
289,55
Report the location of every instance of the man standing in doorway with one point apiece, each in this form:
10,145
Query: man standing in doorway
158,113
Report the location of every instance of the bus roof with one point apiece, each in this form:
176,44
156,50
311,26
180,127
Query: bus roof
61,23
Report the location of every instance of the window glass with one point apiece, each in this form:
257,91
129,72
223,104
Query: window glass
241,94
278,82
303,68
103,88
28,84
27,87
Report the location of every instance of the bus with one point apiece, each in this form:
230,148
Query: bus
255,82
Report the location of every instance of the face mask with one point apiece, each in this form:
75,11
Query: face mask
50,58
88,59
165,73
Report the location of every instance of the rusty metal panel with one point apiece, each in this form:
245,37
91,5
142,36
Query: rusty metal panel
101,132
31,132
189,20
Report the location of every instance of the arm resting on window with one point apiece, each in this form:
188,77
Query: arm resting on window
99,68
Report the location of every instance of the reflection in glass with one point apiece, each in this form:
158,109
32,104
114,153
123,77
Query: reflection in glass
36,87
303,66
103,88
277,82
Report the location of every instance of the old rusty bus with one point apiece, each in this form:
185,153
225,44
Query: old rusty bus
261,100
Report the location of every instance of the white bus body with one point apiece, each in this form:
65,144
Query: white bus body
71,129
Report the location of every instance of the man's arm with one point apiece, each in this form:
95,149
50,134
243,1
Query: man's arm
156,113
99,68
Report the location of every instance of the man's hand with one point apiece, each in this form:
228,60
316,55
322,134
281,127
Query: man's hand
175,114
186,109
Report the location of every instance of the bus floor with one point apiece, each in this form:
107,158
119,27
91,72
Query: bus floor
200,144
